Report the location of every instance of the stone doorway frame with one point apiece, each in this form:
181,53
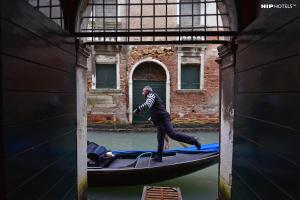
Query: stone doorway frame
130,84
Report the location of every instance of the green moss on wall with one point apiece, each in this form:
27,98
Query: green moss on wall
82,189
224,190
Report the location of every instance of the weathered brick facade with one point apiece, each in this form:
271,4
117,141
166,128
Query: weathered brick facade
187,107
198,107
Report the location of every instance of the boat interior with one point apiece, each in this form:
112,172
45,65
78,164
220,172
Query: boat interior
145,160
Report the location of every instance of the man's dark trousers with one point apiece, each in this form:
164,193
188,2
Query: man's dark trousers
165,127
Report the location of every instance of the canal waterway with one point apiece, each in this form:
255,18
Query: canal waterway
202,184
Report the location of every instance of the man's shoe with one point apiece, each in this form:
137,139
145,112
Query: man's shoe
198,144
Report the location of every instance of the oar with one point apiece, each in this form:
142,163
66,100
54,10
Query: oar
182,144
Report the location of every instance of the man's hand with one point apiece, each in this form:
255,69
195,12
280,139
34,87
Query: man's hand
136,112
150,121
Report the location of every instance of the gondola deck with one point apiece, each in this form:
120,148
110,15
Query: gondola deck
146,162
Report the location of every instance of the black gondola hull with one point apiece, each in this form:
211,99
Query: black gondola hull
138,176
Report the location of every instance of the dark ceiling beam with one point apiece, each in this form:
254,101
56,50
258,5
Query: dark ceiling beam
158,42
156,33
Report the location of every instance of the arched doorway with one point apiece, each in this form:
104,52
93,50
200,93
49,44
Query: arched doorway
147,72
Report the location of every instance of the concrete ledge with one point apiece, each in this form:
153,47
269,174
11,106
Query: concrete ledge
149,128
97,91
191,91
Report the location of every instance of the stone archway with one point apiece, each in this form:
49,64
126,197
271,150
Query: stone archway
149,71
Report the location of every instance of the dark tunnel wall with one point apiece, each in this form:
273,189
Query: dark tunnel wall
38,100
266,161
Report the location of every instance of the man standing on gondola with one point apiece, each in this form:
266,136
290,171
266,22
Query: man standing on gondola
162,120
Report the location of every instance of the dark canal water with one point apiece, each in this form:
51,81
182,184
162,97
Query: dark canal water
199,185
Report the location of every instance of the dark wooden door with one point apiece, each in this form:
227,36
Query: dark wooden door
159,87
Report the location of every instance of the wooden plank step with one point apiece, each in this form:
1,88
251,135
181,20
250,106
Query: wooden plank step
161,193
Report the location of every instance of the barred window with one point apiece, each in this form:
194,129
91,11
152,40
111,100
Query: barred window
50,8
154,22
190,13
105,13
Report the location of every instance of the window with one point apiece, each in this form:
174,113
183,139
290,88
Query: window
191,18
101,16
190,68
187,9
106,76
190,76
105,12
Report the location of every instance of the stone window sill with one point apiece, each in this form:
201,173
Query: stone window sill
105,91
191,91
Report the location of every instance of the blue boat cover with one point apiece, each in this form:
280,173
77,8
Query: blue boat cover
205,148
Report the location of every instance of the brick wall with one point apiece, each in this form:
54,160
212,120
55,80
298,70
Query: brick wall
198,107
187,107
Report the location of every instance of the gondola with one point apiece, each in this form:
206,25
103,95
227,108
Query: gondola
138,167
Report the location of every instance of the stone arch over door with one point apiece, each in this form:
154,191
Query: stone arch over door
152,72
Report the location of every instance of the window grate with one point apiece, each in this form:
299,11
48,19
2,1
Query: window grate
50,8
155,22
